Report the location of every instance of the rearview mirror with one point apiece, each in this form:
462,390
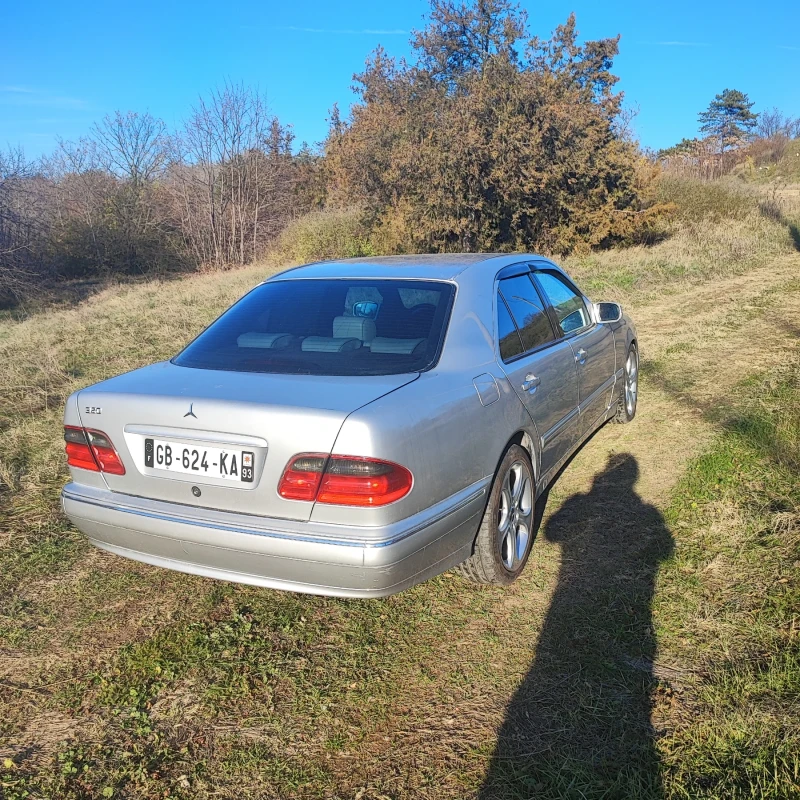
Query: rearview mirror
608,312
366,308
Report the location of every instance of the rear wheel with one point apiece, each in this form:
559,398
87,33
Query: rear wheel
626,410
509,524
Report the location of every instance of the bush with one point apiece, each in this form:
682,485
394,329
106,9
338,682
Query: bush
696,200
480,143
323,235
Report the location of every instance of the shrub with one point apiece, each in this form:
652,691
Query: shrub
482,143
696,200
322,235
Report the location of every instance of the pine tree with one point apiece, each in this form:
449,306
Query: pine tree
728,118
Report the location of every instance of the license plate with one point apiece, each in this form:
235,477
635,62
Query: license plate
210,462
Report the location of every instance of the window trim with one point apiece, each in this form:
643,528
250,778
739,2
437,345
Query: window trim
514,271
501,299
532,266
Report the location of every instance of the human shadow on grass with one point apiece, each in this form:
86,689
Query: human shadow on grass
580,724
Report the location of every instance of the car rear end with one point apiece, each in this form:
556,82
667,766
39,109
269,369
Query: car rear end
224,462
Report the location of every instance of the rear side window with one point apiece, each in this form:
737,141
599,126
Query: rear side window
569,307
510,343
328,327
527,311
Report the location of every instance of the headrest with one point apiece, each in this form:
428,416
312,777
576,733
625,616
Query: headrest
272,341
398,347
356,327
322,344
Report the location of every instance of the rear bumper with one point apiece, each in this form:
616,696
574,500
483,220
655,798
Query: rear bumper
281,554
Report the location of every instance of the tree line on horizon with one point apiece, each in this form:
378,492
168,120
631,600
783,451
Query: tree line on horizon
487,139
729,128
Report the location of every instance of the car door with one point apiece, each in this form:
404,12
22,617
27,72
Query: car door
592,345
540,368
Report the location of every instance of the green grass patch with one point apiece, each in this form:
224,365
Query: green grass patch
318,672
732,595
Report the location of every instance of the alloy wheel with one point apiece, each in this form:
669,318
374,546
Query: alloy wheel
631,381
515,515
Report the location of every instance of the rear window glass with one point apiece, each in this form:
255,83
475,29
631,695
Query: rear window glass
327,327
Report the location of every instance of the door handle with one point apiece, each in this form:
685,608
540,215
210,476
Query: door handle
580,356
531,382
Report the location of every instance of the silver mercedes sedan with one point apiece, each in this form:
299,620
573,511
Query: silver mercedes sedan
354,427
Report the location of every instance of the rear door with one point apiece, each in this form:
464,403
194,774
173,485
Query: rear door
592,345
540,368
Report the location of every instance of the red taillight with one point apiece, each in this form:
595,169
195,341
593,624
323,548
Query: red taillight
350,481
92,450
301,477
79,453
344,480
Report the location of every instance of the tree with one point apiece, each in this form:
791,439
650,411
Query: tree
685,147
131,197
728,119
17,228
132,146
461,37
107,194
233,174
773,124
488,139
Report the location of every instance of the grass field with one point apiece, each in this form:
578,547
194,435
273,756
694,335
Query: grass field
651,649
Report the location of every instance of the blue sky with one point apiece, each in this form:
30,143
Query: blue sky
65,65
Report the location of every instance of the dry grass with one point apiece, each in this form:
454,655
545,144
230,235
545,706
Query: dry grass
593,676
720,229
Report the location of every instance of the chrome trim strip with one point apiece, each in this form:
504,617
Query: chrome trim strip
604,387
273,533
193,435
557,428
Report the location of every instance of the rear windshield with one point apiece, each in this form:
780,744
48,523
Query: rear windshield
328,327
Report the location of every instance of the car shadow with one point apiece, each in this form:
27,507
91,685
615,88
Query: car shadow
580,723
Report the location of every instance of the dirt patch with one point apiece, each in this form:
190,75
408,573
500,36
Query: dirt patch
40,737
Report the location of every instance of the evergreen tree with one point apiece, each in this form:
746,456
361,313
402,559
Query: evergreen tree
685,147
488,139
728,118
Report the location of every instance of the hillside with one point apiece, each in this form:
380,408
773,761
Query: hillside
122,680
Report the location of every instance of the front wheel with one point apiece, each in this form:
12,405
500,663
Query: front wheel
509,524
626,410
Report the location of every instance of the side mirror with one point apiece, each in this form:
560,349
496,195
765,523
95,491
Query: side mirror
608,312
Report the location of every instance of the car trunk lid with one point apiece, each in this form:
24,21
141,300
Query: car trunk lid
190,435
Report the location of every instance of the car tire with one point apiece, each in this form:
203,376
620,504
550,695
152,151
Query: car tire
500,552
626,408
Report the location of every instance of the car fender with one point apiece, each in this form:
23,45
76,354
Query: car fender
439,428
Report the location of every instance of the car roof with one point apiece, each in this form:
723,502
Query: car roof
444,266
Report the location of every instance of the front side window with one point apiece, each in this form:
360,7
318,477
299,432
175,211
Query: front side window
527,311
569,307
328,327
